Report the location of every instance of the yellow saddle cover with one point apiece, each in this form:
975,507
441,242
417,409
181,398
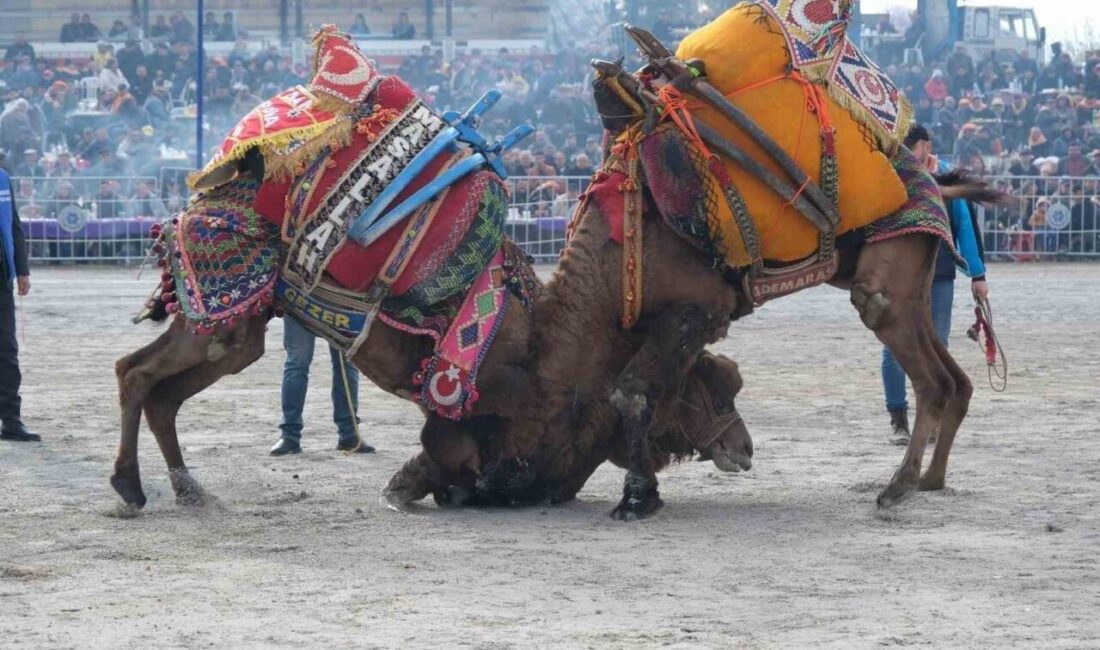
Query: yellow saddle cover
747,59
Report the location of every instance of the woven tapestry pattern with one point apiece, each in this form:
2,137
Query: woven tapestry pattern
221,255
924,212
481,242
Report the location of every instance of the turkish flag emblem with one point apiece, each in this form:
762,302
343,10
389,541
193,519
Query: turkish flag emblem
340,69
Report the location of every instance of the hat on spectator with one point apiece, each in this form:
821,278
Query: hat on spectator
997,101
1026,151
30,150
1094,153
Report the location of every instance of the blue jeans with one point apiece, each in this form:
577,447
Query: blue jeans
298,343
893,377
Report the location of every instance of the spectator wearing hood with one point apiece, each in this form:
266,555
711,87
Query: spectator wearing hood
17,130
968,136
936,86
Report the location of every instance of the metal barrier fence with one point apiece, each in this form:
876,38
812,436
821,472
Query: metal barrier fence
1048,218
71,219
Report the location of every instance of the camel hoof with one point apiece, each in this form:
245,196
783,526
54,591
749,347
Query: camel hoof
403,488
930,483
129,488
894,494
636,510
188,491
454,496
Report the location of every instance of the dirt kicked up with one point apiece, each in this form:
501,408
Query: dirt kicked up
300,552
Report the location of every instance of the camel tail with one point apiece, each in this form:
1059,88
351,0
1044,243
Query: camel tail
962,184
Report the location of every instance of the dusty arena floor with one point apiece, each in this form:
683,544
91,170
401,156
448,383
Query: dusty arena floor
300,552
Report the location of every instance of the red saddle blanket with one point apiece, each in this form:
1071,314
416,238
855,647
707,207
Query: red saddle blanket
328,181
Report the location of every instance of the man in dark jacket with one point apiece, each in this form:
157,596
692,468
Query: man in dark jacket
13,265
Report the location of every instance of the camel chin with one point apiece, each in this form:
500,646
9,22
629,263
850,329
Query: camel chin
731,462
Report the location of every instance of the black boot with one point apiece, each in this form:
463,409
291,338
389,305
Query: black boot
18,432
899,422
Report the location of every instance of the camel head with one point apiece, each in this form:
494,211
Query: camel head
706,415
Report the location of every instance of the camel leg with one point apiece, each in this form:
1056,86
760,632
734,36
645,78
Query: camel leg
450,458
164,402
891,291
673,342
953,415
172,352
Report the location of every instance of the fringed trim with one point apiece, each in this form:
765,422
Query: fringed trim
292,158
888,141
280,139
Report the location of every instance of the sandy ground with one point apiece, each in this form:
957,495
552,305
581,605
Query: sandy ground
300,552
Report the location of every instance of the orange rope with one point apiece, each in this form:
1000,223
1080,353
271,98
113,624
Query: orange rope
676,107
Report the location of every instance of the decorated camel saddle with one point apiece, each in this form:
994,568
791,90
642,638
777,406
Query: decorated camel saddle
763,139
346,202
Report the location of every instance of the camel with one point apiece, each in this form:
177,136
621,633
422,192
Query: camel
158,378
688,303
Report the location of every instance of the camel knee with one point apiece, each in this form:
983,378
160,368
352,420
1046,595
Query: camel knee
871,305
964,388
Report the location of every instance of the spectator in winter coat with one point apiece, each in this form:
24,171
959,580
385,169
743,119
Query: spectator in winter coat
19,49
960,67
70,31
936,86
110,77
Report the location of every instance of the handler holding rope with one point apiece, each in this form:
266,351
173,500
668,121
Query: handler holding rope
964,229
13,265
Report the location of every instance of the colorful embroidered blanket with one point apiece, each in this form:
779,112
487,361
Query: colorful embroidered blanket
748,58
687,210
924,212
293,126
220,258
816,35
447,379
278,126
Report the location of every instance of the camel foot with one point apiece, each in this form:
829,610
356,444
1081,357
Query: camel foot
129,488
930,483
188,491
633,510
407,485
894,494
454,496
641,500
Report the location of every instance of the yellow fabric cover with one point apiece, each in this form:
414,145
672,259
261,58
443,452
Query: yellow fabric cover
743,47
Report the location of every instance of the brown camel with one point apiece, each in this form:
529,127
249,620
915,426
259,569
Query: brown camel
687,303
159,377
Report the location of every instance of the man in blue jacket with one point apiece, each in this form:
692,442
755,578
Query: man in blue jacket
964,229
13,266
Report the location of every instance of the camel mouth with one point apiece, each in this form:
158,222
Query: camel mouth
732,462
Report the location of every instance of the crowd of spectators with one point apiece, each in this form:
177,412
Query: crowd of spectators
75,127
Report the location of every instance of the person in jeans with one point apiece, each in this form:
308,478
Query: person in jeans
965,232
298,343
13,269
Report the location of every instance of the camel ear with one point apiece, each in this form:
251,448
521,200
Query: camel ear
252,164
